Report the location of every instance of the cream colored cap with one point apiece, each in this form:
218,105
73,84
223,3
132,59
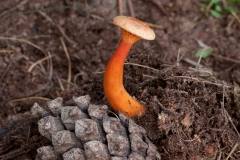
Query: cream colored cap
135,27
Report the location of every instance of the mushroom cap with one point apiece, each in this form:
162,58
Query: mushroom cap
135,27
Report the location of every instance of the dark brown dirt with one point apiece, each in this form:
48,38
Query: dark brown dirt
186,107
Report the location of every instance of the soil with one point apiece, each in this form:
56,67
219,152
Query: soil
192,108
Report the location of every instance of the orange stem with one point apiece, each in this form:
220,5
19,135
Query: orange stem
114,90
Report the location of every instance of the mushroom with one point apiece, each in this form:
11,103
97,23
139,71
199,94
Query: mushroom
118,98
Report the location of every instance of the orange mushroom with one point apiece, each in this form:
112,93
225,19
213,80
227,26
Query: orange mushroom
132,30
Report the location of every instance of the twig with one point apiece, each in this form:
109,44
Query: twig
185,140
81,73
97,17
231,22
161,105
178,59
200,57
60,83
25,41
198,80
228,117
99,72
112,113
224,3
235,16
227,59
13,8
188,60
202,45
69,62
120,7
131,9
220,154
195,103
202,71
68,82
64,34
6,51
233,149
28,135
50,66
86,5
233,13
168,67
55,24
16,153
39,61
139,65
42,68
5,72
148,48
29,98
160,6
144,75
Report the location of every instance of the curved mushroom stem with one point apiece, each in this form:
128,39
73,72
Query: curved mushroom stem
114,90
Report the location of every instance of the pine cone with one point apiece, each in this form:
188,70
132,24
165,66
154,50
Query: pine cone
86,131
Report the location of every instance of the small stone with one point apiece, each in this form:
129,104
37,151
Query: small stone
134,128
55,105
123,119
38,111
87,130
48,125
82,102
137,144
113,125
153,156
118,145
152,152
135,156
96,150
118,158
97,111
47,153
65,140
70,114
74,154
